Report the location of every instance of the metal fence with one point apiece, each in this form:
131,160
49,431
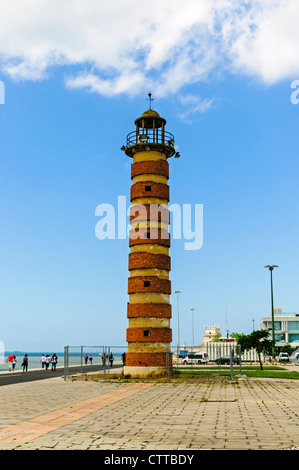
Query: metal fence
224,359
150,136
105,360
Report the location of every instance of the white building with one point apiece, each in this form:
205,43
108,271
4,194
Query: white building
286,328
210,333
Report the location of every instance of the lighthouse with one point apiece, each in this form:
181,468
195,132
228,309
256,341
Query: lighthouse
149,332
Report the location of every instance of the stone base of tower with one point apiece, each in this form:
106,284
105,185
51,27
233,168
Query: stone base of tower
145,364
144,372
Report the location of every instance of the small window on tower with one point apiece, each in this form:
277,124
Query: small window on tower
146,283
146,333
147,188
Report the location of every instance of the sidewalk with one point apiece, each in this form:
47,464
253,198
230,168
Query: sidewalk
54,414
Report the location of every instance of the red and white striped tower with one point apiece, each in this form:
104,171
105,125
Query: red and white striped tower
149,311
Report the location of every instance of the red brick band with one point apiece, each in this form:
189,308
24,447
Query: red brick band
149,212
150,284
149,310
148,359
149,335
151,236
160,167
149,189
141,260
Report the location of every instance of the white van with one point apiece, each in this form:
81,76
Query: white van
283,357
196,358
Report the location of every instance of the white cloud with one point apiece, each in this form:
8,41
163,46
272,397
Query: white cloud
125,83
131,47
262,41
193,105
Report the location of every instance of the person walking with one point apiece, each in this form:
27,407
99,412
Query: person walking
25,363
90,358
103,360
124,358
43,361
14,361
9,361
54,360
48,360
86,359
111,358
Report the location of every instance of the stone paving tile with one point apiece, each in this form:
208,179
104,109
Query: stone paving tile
251,414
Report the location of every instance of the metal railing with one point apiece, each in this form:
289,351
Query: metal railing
223,359
105,360
150,136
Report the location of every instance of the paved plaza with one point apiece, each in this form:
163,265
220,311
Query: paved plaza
253,414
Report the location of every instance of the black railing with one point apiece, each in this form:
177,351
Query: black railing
150,136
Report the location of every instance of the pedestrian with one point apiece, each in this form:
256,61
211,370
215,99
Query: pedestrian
25,363
111,358
124,358
43,361
9,361
14,361
48,360
86,359
103,360
90,358
54,360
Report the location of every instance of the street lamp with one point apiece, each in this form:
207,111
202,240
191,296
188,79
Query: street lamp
192,310
178,292
271,268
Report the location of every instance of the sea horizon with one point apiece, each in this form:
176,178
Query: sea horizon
34,357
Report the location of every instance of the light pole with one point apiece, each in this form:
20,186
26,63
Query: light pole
271,268
178,292
192,310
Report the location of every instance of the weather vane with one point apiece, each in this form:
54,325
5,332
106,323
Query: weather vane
150,99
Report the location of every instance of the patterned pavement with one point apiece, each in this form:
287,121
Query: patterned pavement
252,414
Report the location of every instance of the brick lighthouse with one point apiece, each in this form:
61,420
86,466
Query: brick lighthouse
149,311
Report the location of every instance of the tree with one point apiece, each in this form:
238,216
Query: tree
238,337
216,338
288,349
258,340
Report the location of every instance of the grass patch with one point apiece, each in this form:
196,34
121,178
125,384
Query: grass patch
195,373
273,374
216,368
270,373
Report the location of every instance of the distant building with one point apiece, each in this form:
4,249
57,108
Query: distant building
286,328
210,333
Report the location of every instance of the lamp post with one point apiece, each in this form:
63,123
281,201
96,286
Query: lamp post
192,310
271,268
178,292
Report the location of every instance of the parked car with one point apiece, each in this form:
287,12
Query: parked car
283,357
196,358
226,360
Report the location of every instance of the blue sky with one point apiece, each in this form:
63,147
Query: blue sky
237,133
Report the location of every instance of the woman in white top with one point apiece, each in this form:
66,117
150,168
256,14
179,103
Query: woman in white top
14,361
